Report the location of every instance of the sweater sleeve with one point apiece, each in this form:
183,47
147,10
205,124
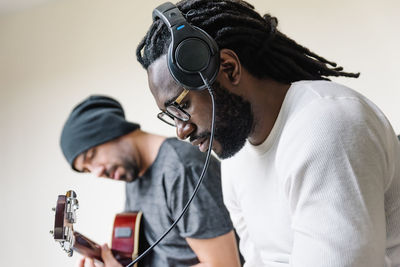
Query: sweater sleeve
334,165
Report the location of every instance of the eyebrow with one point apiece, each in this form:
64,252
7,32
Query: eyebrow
181,96
171,100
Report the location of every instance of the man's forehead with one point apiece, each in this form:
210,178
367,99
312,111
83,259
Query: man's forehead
162,85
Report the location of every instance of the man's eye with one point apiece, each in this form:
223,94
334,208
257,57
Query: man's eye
93,153
90,154
185,105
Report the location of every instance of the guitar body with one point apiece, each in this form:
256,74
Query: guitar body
127,235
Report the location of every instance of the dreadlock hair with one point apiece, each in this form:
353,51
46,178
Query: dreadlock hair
262,49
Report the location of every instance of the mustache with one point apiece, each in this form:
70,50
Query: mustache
199,136
108,172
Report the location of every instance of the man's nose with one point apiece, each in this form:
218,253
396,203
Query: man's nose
183,129
98,170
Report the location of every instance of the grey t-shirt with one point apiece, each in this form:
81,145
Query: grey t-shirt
162,192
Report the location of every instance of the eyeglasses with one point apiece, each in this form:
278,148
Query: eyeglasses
175,111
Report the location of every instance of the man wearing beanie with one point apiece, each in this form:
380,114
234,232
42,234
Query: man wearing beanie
160,175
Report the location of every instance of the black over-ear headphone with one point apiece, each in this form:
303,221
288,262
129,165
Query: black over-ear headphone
192,51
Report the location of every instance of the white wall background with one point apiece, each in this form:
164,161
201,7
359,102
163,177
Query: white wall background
53,55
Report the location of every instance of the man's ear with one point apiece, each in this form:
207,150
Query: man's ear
230,67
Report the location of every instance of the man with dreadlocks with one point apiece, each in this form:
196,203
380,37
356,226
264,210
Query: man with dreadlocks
313,175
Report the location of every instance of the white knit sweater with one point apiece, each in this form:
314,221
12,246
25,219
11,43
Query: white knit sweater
323,189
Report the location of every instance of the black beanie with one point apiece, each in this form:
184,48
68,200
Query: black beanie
96,120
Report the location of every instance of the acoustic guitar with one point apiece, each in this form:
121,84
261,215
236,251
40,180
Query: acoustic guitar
127,236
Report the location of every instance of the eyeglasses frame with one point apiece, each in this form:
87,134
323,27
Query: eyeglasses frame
175,104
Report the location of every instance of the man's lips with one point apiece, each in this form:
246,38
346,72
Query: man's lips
198,141
114,173
202,143
117,175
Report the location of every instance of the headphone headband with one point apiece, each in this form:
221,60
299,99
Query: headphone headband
169,14
191,52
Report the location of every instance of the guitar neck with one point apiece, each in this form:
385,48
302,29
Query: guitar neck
91,249
125,238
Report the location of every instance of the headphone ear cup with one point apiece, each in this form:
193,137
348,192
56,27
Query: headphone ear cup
192,55
192,80
198,53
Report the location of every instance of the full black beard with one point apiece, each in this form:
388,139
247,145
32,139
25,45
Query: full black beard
233,121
